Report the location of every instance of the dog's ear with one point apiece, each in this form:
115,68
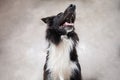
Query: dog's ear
47,20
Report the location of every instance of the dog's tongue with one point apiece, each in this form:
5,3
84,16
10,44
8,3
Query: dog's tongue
68,24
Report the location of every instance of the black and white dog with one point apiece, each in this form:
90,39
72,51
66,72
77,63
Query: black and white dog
62,60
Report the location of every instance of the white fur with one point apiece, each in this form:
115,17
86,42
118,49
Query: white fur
59,60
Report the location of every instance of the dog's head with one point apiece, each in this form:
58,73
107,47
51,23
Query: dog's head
64,20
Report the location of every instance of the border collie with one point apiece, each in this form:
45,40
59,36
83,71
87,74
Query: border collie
62,60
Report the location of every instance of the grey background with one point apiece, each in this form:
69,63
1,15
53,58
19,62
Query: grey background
22,43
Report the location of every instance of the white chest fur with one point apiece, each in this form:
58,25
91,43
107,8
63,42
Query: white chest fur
59,60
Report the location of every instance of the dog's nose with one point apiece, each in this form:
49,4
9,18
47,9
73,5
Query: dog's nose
72,6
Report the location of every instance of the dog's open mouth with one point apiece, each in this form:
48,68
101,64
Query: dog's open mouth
69,17
69,21
68,24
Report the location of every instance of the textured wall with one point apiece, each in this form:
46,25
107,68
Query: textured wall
22,43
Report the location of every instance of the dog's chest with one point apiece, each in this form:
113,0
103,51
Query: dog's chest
59,60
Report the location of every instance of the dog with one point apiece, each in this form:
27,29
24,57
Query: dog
62,59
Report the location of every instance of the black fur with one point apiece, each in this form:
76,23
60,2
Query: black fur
53,34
